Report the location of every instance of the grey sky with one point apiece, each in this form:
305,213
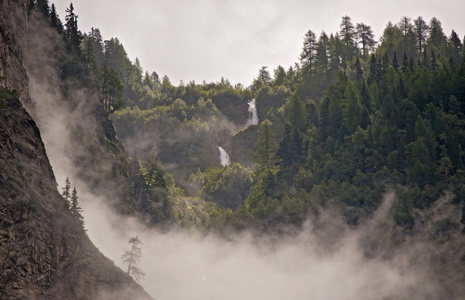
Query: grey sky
207,39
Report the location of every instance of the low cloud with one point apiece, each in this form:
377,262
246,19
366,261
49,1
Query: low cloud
314,263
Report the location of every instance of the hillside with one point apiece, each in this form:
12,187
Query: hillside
44,251
356,159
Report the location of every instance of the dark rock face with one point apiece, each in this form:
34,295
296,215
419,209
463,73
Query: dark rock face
13,24
44,251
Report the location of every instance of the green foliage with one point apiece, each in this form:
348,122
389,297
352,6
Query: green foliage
348,123
265,148
228,186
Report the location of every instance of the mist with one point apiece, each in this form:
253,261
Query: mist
323,260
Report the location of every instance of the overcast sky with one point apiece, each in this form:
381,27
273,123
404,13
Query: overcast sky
207,39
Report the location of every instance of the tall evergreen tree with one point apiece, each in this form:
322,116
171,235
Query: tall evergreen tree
390,39
436,37
75,208
421,32
55,19
307,58
347,34
72,33
264,75
322,54
97,43
454,47
408,45
336,52
43,7
296,113
265,148
365,37
132,258
111,91
66,192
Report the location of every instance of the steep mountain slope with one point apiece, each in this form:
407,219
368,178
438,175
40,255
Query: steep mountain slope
44,251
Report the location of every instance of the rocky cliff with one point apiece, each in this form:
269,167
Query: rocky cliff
44,251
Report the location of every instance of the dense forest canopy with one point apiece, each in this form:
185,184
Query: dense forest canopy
355,117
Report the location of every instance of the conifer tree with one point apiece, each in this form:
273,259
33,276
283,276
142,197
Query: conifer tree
365,38
73,35
436,37
347,34
307,57
454,48
322,54
421,31
55,19
296,113
264,75
66,193
265,148
44,8
111,90
75,209
408,37
132,258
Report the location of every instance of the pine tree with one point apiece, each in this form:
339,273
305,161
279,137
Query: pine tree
67,192
296,113
454,48
44,8
365,37
265,149
436,37
112,89
55,19
421,30
308,55
322,54
347,35
75,209
264,75
132,258
72,33
408,36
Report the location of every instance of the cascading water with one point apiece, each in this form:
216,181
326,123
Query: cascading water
224,157
251,120
253,117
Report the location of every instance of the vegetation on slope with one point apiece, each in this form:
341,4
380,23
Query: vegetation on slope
352,120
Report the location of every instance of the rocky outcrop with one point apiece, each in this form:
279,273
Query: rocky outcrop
44,251
13,25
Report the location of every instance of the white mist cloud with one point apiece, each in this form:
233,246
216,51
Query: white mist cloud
182,265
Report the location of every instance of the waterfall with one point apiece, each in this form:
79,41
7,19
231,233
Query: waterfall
224,157
253,117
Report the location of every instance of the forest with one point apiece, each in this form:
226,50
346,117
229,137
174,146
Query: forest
353,119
